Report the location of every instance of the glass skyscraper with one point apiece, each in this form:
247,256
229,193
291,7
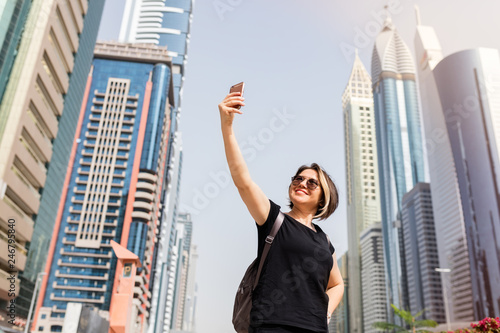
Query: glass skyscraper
447,205
165,23
424,283
13,16
468,84
399,147
114,183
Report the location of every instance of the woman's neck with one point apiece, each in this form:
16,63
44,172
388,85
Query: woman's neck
303,217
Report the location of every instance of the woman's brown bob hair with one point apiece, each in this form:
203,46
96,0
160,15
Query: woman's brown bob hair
330,198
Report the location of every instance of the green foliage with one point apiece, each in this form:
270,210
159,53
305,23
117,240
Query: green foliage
416,326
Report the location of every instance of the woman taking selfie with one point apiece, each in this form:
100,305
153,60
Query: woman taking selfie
300,284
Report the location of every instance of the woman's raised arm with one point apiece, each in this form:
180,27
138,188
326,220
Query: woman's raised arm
256,201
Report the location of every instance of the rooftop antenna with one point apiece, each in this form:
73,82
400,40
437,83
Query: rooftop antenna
388,19
417,13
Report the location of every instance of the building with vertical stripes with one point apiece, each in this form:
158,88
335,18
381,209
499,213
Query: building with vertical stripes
47,45
13,15
399,147
339,322
363,201
165,23
424,283
113,185
468,84
183,302
446,200
373,277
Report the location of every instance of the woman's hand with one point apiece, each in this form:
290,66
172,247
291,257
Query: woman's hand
229,106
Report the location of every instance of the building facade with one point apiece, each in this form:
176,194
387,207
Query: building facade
114,184
399,147
185,268
339,322
166,258
373,277
468,83
363,202
13,15
424,283
164,23
33,115
447,206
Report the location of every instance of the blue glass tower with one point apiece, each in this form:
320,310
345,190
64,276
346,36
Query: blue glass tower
12,18
399,146
115,181
165,23
467,83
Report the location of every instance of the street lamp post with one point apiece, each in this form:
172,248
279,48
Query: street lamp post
35,294
447,311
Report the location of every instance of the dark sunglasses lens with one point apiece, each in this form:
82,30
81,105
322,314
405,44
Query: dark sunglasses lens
297,180
312,184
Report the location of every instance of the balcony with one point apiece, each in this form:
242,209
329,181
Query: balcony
5,285
85,254
141,216
24,195
19,253
24,224
82,265
78,300
143,205
83,277
80,287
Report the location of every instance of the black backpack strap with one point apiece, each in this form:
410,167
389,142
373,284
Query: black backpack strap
269,242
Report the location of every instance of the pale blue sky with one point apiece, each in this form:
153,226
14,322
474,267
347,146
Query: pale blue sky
289,55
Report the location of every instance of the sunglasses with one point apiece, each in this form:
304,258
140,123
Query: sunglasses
311,183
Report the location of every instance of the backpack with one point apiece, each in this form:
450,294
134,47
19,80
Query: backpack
243,299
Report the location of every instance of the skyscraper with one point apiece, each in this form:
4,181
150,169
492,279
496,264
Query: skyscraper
424,283
363,203
339,323
468,83
373,277
166,257
37,117
184,269
165,23
399,146
113,184
13,16
447,207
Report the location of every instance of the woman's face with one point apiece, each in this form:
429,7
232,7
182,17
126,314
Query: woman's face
302,195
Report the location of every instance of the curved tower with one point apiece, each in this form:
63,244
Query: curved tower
399,146
446,199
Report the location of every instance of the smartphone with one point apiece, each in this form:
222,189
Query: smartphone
238,88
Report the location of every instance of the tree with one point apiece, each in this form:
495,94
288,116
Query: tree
415,325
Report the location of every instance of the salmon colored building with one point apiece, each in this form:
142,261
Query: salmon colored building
113,190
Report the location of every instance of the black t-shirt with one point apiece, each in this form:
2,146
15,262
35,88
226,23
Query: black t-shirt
292,286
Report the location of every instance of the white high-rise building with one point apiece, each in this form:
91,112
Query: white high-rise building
447,206
373,277
189,318
363,204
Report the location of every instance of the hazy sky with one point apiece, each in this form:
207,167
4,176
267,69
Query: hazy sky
295,57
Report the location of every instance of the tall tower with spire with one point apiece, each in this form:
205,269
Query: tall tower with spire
399,146
363,202
447,207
